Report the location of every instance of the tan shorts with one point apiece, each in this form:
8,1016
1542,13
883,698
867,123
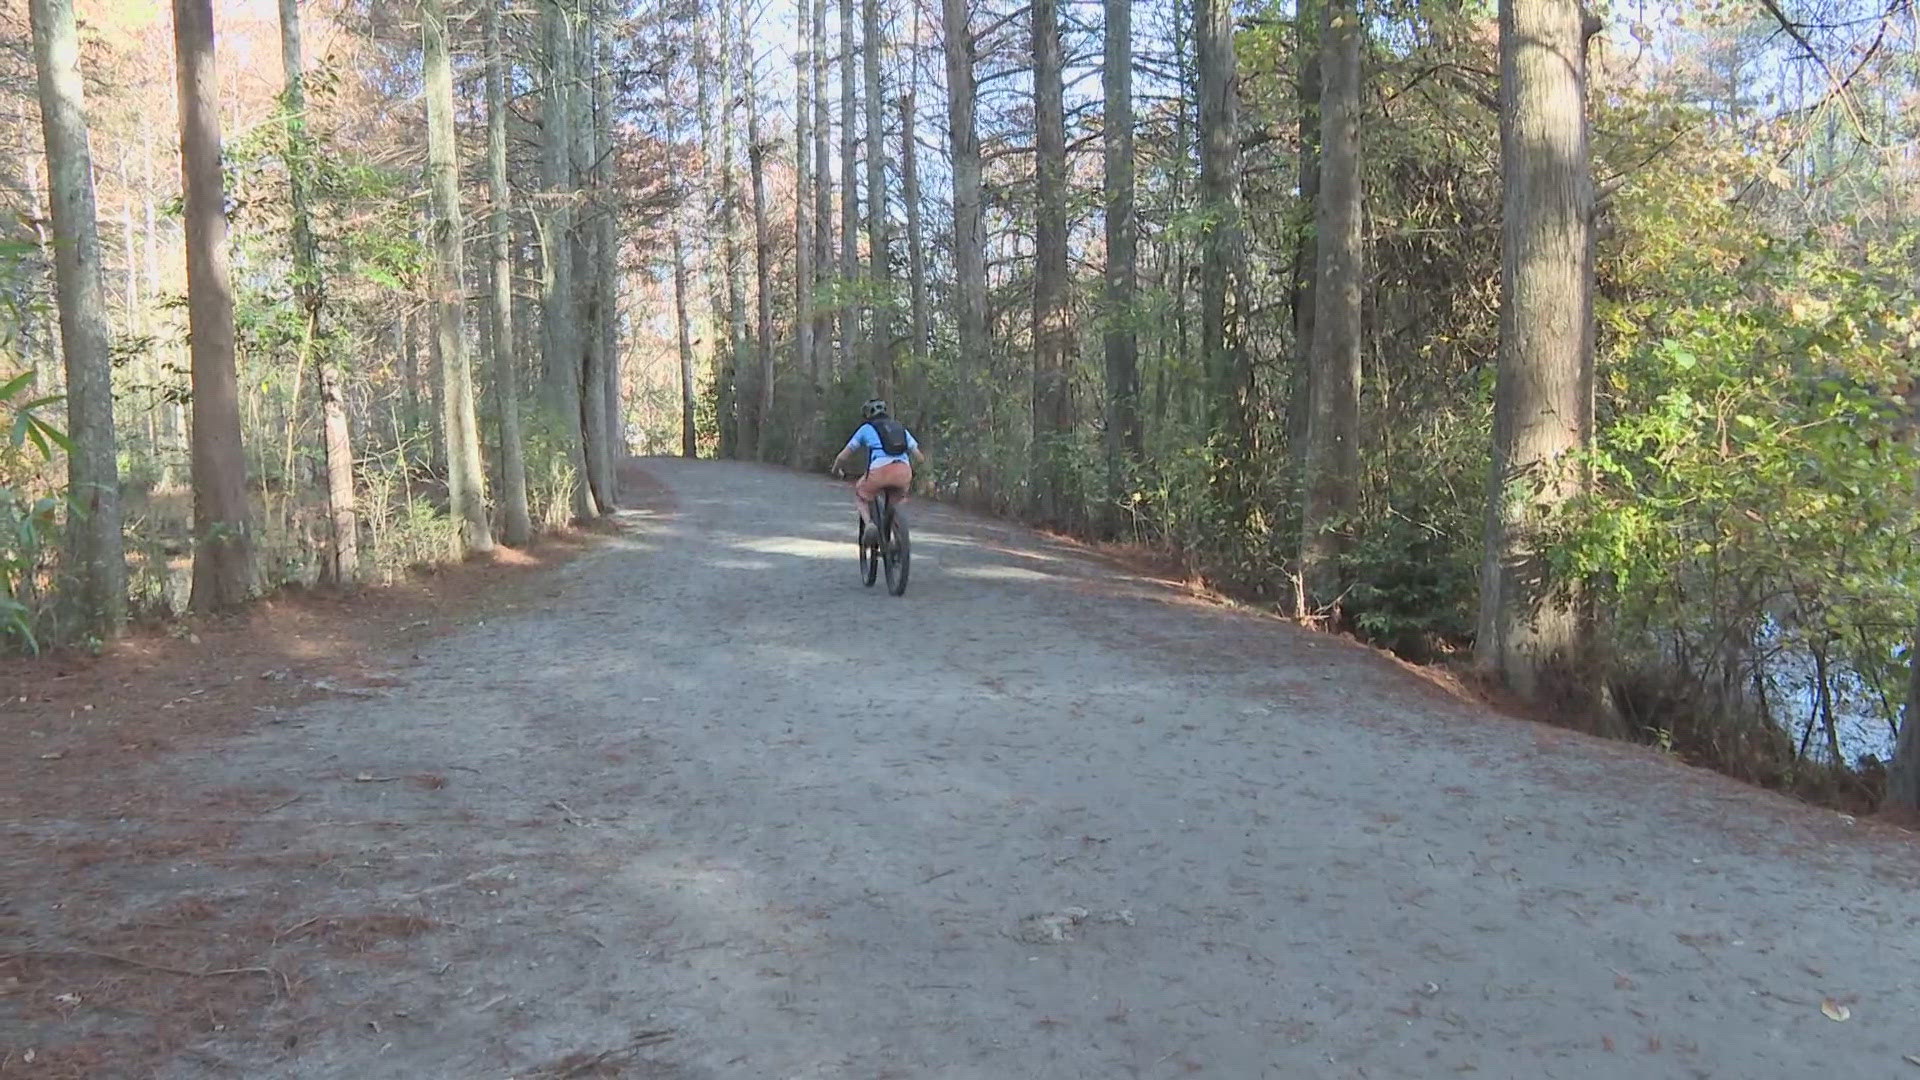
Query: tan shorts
894,474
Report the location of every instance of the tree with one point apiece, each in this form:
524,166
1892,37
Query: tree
969,237
1308,15
762,256
466,479
916,235
516,524
1331,478
732,414
560,329
1052,334
849,192
1543,406
608,266
689,401
590,255
222,557
341,563
822,360
1903,776
803,232
1229,375
880,328
1121,341
95,551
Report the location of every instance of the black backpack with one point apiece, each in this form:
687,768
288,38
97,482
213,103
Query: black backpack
892,435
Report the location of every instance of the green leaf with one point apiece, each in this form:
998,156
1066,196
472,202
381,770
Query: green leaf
15,385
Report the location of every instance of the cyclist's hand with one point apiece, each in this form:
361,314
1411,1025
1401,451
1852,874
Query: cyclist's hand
838,473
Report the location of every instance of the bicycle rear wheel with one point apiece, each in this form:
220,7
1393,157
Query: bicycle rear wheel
898,552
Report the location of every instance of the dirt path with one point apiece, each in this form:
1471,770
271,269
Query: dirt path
1035,820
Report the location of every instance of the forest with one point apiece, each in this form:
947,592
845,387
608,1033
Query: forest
1573,347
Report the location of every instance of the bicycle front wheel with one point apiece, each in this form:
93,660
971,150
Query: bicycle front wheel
899,555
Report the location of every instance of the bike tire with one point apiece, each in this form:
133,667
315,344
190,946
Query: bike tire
869,563
900,554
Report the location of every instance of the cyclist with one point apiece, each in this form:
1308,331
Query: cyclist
891,452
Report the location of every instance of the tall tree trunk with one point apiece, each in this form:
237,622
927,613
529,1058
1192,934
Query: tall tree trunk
1229,372
763,266
341,561
1185,125
409,387
849,196
223,548
608,267
1307,18
803,237
1052,336
560,329
96,554
588,256
466,477
1331,479
717,267
880,325
1122,343
916,234
516,521
689,403
822,361
735,414
1543,404
1903,775
969,238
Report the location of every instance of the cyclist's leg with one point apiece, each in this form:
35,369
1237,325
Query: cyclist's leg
863,492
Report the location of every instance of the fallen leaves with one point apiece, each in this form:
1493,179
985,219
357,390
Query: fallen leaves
1835,1011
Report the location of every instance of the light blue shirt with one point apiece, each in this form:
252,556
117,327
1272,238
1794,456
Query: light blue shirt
869,440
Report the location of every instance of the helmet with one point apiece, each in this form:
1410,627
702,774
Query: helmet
872,409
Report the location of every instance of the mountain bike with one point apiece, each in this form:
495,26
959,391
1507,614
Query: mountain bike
885,546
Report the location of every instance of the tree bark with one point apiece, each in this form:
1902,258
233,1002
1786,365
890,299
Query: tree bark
916,235
95,551
1543,405
466,478
969,238
223,550
516,521
409,387
821,363
763,265
849,197
716,268
879,258
588,257
1331,477
1307,19
560,329
1052,335
1903,774
1121,338
340,562
735,415
689,403
1230,377
608,267
803,232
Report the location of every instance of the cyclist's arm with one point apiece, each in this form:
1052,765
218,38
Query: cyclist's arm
854,447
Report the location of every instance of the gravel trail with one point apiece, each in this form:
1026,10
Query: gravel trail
1039,818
